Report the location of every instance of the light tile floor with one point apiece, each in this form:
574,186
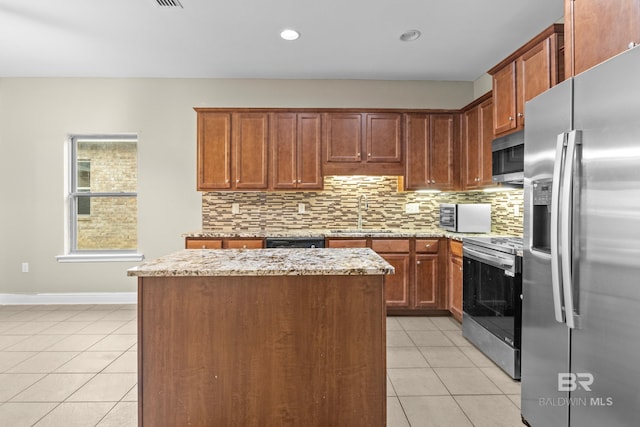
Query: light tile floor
75,365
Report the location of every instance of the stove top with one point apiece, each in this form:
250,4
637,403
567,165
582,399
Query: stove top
508,244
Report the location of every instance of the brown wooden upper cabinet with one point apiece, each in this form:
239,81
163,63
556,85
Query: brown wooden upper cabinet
597,30
296,140
232,150
477,135
363,143
526,73
431,151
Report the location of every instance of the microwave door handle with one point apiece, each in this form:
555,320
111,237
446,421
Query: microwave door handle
566,212
556,277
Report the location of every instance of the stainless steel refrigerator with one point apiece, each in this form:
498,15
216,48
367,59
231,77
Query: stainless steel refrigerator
581,266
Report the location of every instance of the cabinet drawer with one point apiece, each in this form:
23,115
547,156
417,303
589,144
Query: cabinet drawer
243,244
204,244
390,245
427,246
347,243
455,247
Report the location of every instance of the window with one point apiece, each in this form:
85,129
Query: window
102,199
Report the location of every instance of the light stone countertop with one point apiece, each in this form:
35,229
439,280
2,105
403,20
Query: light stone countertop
265,262
393,233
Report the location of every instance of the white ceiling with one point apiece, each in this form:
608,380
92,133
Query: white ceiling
340,39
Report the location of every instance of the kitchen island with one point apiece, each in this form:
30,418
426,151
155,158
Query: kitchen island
262,337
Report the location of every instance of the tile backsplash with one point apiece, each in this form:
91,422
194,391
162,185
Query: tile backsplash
336,207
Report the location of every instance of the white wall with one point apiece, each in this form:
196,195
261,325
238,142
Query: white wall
36,115
482,85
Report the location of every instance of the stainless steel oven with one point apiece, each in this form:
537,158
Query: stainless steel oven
492,298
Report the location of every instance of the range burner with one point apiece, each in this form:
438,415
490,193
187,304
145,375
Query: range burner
507,244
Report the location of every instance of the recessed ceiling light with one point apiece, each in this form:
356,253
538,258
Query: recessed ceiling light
289,34
411,35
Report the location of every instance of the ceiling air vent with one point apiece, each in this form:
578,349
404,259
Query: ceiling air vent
169,3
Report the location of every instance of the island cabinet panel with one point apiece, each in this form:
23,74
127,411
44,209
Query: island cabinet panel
272,351
214,151
203,243
296,151
597,30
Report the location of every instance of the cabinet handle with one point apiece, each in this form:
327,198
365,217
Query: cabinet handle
418,262
369,154
204,246
510,118
244,246
226,181
460,268
520,115
433,181
427,245
631,45
237,181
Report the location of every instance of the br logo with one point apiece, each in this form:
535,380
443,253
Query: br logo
568,381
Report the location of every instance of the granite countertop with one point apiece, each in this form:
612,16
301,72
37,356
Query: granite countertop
265,262
394,233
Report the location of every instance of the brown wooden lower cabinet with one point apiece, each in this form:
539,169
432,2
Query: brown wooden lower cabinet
419,285
455,279
261,350
226,243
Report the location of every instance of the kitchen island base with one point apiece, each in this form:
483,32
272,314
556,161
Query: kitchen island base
262,350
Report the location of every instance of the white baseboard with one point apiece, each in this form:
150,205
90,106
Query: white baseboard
71,298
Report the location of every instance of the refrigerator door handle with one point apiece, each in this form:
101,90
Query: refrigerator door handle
566,213
556,279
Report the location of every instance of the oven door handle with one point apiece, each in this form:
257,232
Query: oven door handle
505,263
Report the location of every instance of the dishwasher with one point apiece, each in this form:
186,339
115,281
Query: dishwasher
294,242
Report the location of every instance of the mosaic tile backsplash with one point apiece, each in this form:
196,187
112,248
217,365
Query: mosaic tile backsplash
336,207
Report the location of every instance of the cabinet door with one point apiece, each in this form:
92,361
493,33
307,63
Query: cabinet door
471,159
347,243
384,138
442,152
343,137
417,143
309,134
486,138
534,76
600,29
455,287
396,286
214,151
283,150
250,140
504,99
427,293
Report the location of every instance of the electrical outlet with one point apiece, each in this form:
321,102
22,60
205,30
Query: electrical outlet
301,208
25,267
516,210
412,208
235,208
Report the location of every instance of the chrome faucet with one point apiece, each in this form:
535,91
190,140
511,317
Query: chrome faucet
366,207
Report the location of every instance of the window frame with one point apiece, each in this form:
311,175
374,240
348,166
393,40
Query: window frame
73,254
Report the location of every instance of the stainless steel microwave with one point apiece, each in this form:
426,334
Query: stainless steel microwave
466,217
508,158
